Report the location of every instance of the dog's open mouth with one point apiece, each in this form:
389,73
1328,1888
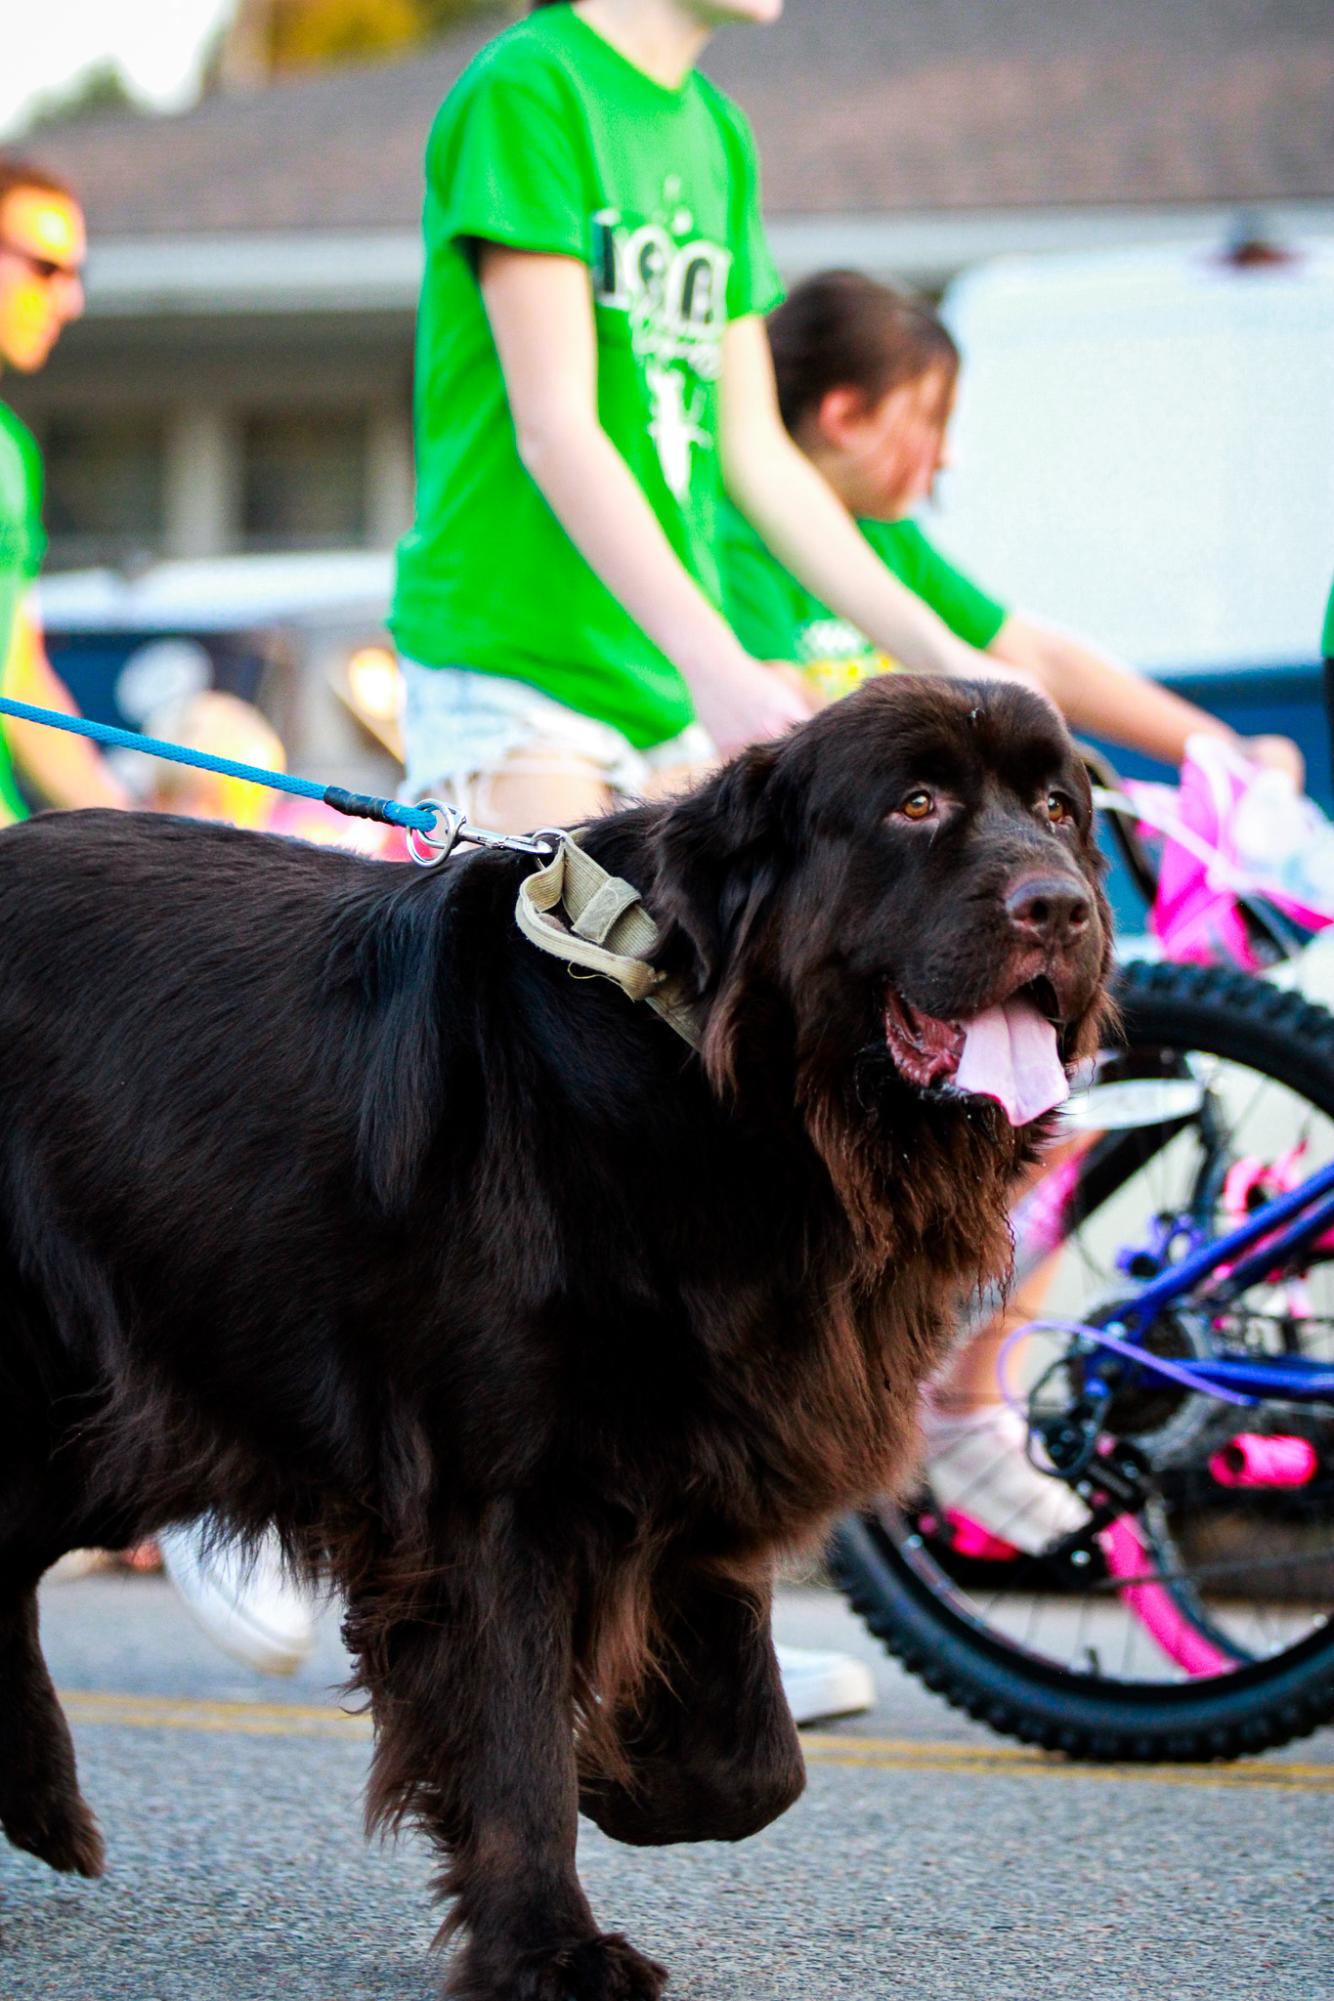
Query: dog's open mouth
1010,1051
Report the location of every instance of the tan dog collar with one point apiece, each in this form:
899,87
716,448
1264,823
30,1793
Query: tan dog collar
606,931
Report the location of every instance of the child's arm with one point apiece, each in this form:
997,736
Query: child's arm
808,528
1108,700
541,314
66,770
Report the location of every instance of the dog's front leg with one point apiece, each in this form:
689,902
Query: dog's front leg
712,1750
471,1691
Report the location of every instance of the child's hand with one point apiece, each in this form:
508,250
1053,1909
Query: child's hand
1277,753
800,683
740,702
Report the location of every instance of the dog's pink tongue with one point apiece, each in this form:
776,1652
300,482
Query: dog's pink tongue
1010,1054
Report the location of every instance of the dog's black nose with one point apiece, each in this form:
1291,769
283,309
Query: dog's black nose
1049,910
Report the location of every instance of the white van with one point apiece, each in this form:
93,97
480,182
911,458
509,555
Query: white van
1145,448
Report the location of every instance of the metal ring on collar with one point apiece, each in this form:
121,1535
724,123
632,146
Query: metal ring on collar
443,838
452,827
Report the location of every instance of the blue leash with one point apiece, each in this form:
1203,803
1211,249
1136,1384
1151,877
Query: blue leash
357,805
433,829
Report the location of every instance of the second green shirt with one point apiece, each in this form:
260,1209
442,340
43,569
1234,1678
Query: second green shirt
776,618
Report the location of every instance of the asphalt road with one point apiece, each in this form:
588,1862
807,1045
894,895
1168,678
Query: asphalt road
928,1861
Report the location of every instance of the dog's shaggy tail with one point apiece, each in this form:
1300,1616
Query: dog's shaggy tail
390,960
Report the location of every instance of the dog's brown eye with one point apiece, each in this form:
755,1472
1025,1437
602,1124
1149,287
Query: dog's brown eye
917,806
1059,809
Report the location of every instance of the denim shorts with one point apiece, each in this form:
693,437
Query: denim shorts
460,726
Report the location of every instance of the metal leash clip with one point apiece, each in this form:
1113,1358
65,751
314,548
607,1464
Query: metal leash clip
428,850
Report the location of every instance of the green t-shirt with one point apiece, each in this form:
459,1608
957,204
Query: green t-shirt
1327,640
22,547
777,618
552,141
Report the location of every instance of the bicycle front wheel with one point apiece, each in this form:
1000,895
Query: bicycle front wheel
1185,1616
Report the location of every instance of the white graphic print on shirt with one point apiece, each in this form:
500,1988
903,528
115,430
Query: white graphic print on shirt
672,286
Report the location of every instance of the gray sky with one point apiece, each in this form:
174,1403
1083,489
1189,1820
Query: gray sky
158,44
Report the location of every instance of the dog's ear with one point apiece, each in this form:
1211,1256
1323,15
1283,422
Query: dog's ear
718,861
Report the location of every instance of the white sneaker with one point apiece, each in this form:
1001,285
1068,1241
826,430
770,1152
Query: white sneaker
818,1686
247,1605
977,1466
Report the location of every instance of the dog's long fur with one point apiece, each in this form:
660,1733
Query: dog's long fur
327,1202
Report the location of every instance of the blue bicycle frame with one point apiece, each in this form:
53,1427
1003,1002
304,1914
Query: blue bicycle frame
1280,1227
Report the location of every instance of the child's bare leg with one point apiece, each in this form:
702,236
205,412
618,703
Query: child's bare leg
973,1381
539,786
674,779
978,1466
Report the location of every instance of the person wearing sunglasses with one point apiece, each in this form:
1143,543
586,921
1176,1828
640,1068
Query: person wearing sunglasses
248,1608
41,291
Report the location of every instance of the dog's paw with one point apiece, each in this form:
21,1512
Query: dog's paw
60,1832
605,1968
608,1969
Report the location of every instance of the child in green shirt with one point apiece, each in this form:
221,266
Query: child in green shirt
592,377
866,379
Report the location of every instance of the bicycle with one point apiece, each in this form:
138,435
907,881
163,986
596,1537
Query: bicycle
1178,1382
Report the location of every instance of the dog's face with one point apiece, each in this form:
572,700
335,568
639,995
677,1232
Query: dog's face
915,872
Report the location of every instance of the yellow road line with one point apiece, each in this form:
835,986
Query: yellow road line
1015,1761
242,1719
294,1719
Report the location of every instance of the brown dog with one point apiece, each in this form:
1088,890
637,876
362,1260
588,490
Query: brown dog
327,1201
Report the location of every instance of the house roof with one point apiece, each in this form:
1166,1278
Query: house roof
860,106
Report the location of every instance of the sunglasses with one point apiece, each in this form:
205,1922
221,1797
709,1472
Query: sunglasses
46,268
